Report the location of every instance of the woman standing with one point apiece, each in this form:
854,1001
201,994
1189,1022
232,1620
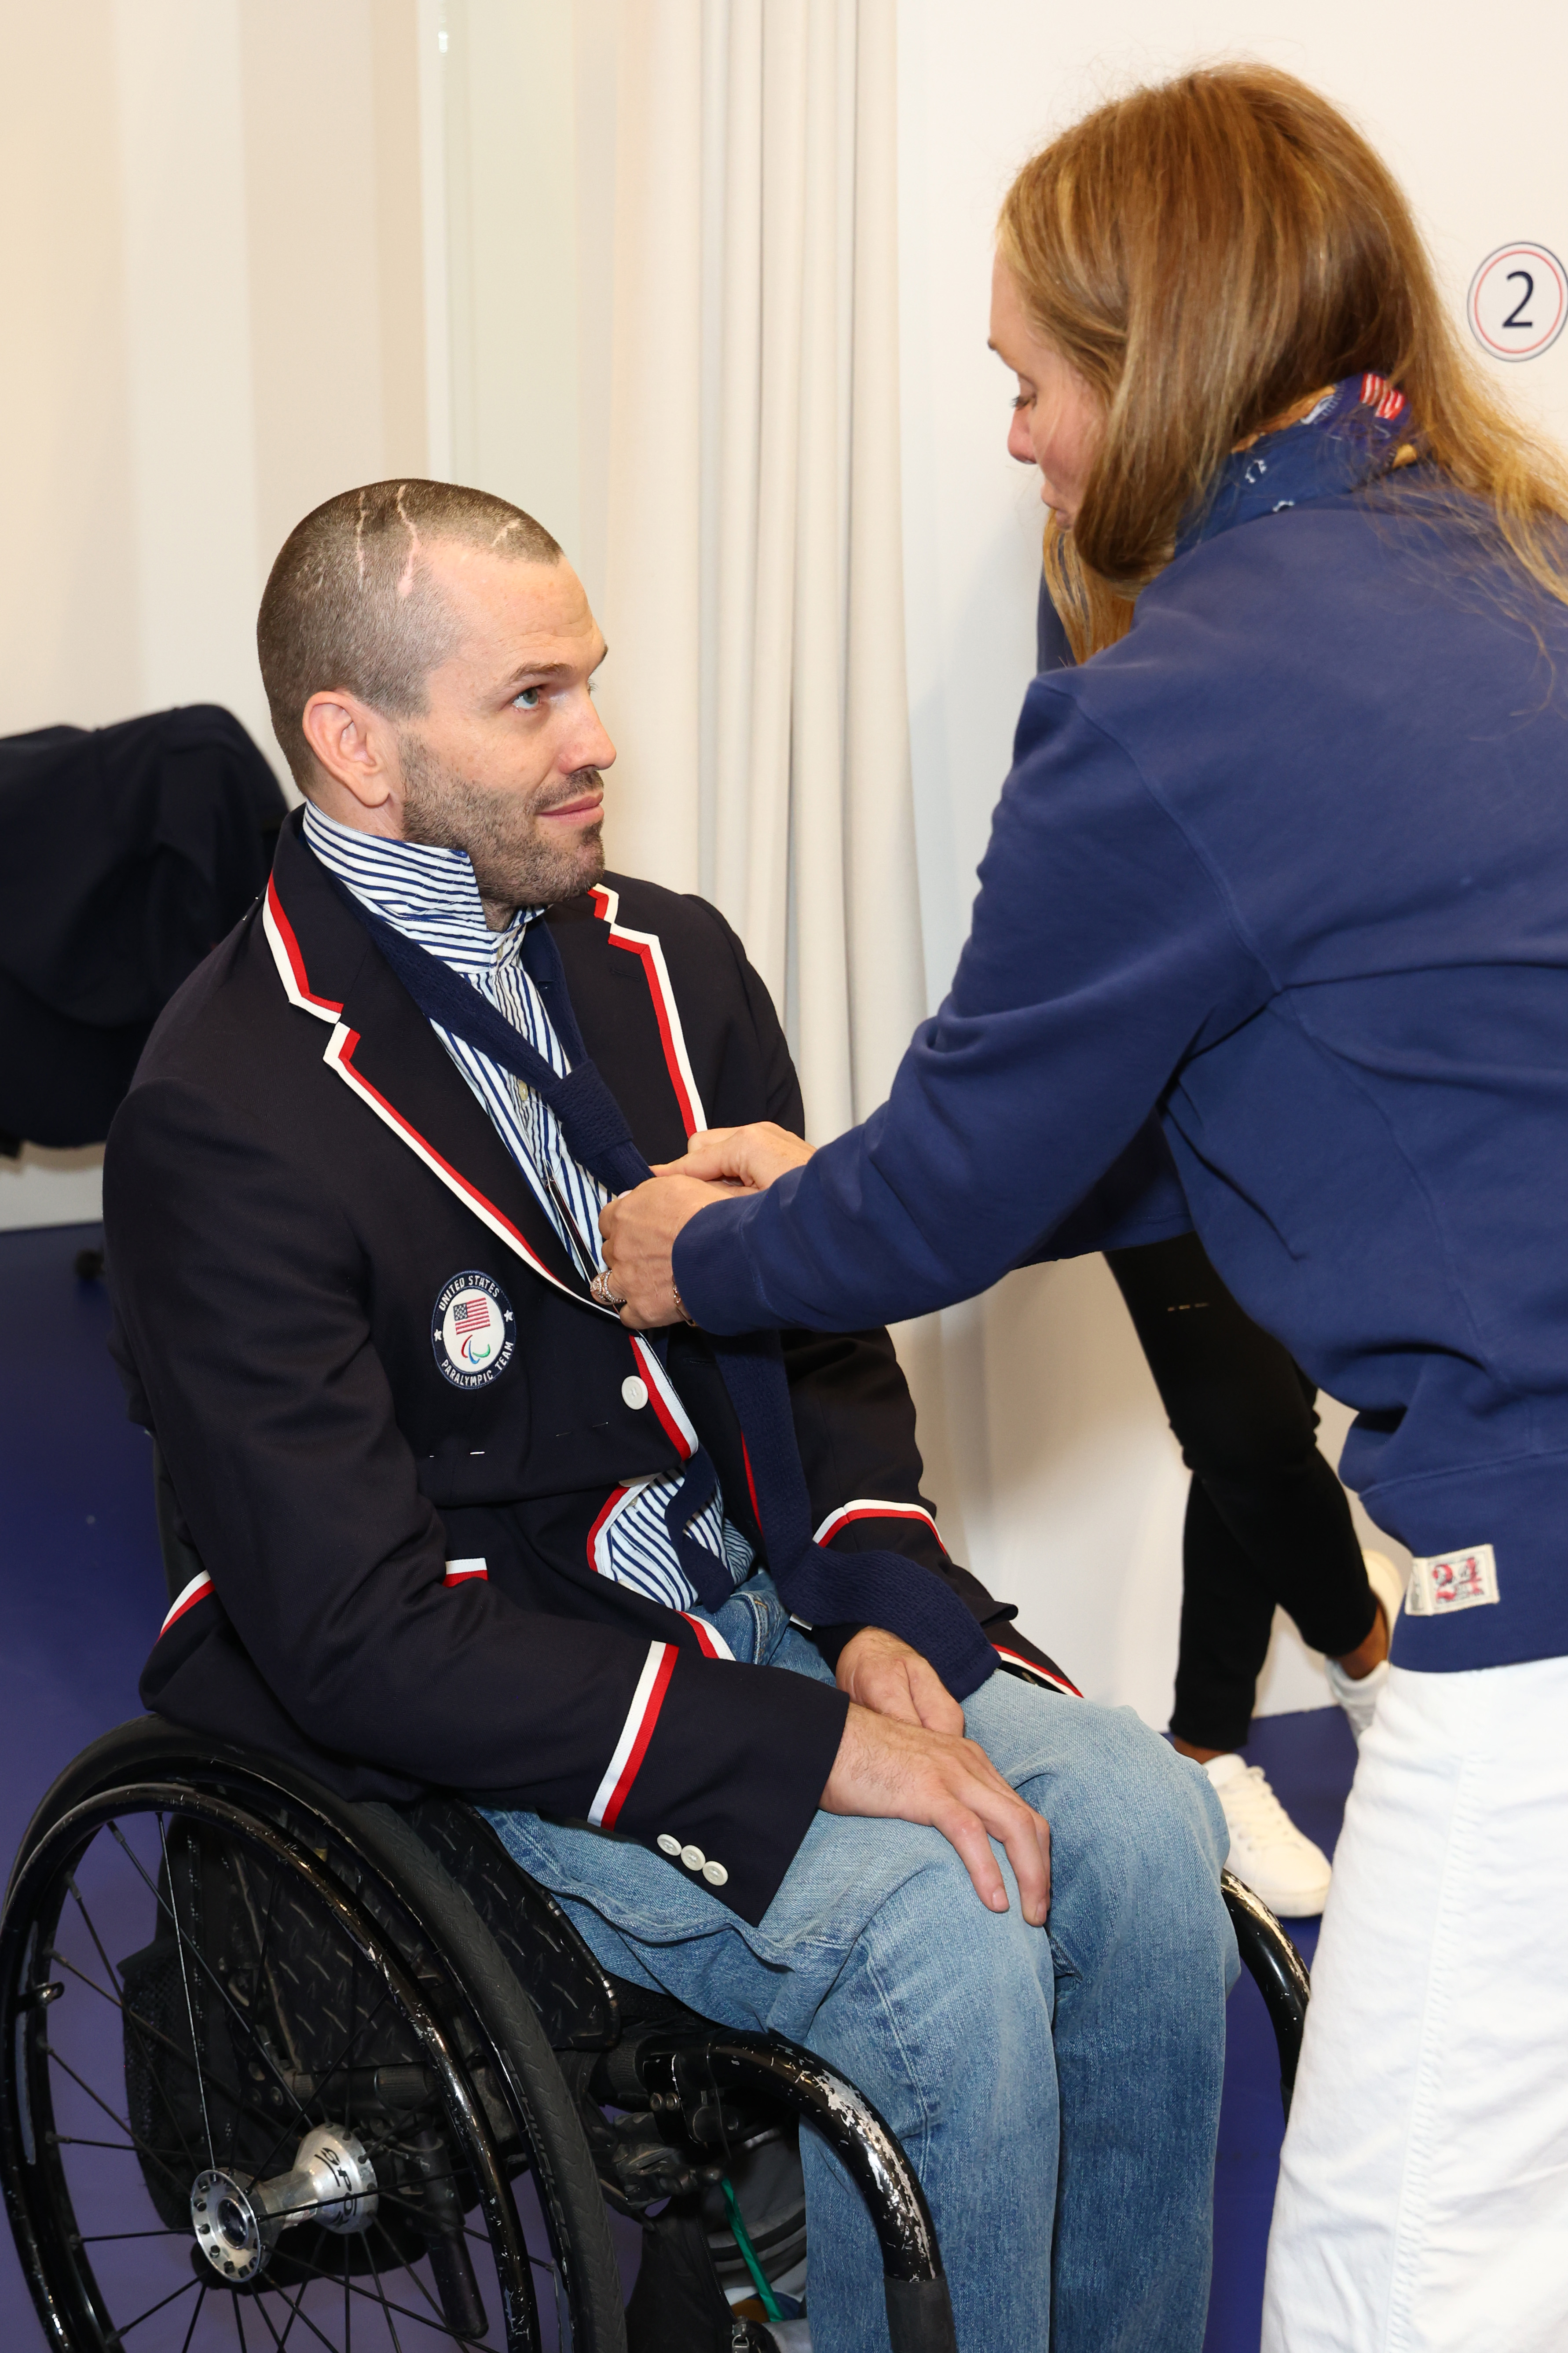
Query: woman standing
1285,865
1266,1527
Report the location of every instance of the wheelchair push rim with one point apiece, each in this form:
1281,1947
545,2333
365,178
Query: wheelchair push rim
196,2089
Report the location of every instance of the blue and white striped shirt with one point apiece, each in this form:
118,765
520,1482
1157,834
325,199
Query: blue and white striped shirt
431,896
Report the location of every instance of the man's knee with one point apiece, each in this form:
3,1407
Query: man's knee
1138,1840
943,2003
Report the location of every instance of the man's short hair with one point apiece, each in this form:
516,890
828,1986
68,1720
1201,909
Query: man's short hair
351,605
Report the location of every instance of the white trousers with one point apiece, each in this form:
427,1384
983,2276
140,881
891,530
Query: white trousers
1423,2203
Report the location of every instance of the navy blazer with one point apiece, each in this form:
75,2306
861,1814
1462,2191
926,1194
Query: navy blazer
400,1583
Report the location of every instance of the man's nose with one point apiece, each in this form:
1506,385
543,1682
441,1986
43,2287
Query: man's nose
590,747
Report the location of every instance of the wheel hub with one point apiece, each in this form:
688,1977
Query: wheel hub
237,2219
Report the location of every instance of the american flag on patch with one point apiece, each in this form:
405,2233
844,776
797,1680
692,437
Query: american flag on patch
470,1315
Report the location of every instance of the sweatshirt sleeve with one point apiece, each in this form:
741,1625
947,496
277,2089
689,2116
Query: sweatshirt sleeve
1103,952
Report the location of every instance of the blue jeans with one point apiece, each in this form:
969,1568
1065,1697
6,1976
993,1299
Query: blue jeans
1058,2090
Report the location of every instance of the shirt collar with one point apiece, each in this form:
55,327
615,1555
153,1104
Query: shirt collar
429,893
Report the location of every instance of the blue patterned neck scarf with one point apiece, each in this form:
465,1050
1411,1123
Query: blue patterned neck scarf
1354,433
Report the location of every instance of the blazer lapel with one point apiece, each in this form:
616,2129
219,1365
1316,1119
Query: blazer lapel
630,1022
384,1051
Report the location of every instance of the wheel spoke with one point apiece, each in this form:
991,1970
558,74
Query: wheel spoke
101,2238
141,2146
173,2297
195,2317
92,1932
145,2033
185,1980
263,1937
386,2309
399,2264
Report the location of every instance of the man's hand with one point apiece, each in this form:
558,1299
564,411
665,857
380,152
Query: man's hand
749,1156
904,1773
889,1678
639,1229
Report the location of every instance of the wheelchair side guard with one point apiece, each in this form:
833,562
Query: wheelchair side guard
1276,1969
575,2000
683,2079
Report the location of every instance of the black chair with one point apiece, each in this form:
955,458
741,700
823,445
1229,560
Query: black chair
284,2070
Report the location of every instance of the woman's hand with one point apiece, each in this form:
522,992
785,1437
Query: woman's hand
748,1157
640,1228
640,1231
886,1675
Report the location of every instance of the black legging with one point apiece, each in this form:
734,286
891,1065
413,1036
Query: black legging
1268,1522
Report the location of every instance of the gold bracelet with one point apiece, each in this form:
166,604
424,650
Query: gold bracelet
681,1308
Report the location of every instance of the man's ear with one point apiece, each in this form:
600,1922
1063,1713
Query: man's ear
354,746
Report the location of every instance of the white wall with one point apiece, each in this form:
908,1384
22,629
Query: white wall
1058,1465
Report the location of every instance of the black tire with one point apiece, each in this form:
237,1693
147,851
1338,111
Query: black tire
310,1965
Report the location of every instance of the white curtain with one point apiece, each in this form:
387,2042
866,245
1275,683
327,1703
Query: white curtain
755,592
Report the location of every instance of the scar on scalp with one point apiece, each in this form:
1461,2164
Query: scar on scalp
505,532
405,579
359,539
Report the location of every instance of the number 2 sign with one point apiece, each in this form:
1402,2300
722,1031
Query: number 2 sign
1519,301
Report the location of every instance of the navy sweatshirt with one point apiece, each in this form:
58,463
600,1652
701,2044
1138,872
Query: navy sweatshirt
1287,870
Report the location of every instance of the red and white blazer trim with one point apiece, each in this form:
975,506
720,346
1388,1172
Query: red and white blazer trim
339,1055
872,1507
710,1640
463,1572
187,1598
646,945
627,1758
1031,1668
290,964
674,1420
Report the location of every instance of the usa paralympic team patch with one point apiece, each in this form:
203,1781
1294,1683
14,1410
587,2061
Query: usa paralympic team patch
472,1330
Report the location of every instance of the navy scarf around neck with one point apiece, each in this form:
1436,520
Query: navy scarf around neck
818,1587
1356,433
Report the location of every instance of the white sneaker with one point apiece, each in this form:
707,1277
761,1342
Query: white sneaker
1275,1858
1359,1699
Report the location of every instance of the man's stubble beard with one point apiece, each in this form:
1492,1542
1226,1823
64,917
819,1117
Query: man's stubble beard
512,865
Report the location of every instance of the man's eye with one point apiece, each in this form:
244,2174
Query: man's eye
528,700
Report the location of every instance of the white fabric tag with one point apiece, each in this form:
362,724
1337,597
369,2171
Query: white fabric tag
1462,1579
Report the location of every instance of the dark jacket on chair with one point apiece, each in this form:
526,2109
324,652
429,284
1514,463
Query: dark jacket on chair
400,1585
129,850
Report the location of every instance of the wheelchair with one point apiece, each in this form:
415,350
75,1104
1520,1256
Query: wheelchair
285,2070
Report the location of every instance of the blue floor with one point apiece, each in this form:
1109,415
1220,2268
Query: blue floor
84,1594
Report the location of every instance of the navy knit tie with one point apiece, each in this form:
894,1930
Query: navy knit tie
819,1587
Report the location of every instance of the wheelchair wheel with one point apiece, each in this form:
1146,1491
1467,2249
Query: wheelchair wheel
269,2082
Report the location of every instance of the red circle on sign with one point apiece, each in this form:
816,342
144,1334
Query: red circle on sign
1493,272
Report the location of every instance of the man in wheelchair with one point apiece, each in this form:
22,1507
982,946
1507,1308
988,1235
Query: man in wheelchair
671,1611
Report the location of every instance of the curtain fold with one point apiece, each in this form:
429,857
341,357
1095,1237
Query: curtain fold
754,575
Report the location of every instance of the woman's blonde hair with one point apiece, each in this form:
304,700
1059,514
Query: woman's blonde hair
1207,253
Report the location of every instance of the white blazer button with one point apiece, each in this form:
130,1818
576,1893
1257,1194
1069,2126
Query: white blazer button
633,1392
714,1874
692,1857
668,1846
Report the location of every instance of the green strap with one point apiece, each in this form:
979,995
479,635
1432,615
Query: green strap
749,2253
